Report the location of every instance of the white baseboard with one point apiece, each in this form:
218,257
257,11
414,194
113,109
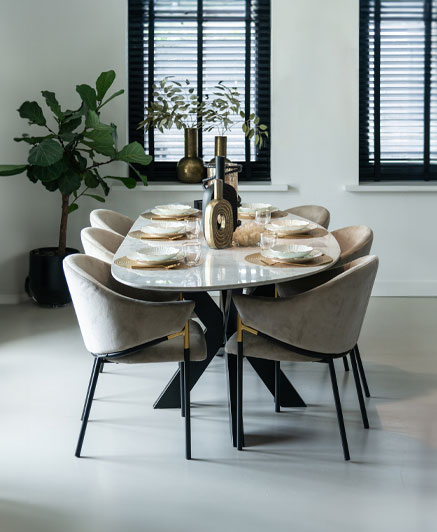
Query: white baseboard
13,299
405,289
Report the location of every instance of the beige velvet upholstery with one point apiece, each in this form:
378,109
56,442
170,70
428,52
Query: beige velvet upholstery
355,241
315,213
111,221
100,243
112,322
326,319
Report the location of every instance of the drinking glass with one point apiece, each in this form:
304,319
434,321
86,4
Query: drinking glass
193,228
263,217
267,240
192,252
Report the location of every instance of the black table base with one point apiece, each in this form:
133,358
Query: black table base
218,327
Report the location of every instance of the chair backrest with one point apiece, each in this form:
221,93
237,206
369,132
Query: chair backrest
355,241
111,322
315,213
100,243
326,319
111,221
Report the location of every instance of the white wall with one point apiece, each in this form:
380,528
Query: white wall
55,44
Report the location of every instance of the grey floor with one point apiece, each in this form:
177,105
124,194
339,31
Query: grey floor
290,477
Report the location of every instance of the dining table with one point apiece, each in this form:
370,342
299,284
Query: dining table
211,284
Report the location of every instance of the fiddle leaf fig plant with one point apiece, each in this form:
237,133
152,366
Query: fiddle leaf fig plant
70,156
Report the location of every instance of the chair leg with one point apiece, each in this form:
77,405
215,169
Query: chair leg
93,382
101,367
361,370
182,387
346,363
240,433
277,386
186,365
339,410
359,390
86,397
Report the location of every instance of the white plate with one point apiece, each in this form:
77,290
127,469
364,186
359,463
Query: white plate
163,228
251,208
173,215
289,251
312,255
174,209
155,254
288,227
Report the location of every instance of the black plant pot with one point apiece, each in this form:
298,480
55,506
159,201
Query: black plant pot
46,283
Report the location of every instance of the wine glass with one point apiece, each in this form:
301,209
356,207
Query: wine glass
267,240
263,217
192,252
193,228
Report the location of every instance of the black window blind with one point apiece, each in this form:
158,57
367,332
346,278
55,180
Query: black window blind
398,90
204,41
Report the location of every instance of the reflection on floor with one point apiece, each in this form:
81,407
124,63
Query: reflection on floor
291,476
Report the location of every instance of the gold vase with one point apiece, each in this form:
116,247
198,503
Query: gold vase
221,149
190,168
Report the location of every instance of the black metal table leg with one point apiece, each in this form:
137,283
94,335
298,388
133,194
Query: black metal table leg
211,316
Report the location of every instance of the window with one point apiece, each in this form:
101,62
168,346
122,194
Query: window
398,91
204,41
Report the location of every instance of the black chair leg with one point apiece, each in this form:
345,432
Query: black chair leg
339,410
359,390
86,397
101,367
346,363
186,365
93,382
277,386
182,387
240,433
361,370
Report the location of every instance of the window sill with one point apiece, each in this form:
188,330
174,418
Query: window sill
395,186
183,187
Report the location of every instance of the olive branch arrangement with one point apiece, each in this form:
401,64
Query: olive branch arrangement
177,104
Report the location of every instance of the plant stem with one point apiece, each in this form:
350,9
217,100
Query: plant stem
63,227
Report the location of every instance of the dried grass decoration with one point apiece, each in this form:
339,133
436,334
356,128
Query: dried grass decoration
248,234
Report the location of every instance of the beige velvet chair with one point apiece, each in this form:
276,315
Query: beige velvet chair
319,325
355,242
111,221
102,245
315,213
122,330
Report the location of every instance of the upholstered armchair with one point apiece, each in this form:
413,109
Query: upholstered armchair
315,213
319,325
111,221
355,242
123,330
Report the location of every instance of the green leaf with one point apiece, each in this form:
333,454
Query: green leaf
70,125
73,207
98,198
100,141
128,182
104,81
33,112
243,116
262,127
141,176
51,186
12,169
88,96
69,182
32,140
48,173
46,153
134,153
52,103
91,180
112,97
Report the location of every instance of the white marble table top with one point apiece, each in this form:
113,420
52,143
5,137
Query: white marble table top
221,269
